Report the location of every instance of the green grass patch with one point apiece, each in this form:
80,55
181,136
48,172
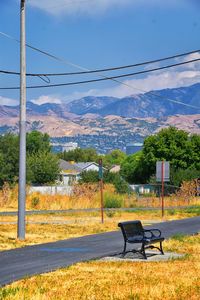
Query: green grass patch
8,292
179,237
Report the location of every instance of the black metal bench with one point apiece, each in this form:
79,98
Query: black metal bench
134,233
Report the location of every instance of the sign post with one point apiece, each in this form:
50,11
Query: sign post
162,175
162,171
101,187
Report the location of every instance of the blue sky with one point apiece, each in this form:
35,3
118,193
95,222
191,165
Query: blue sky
98,34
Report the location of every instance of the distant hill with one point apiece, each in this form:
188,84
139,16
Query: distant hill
142,105
136,106
90,104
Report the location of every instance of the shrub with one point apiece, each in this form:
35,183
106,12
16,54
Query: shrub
90,176
112,200
35,201
110,213
121,186
180,175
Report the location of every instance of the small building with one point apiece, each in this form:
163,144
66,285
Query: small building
69,146
143,189
115,169
71,172
61,147
133,148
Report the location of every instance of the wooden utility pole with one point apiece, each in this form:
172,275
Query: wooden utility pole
101,187
162,175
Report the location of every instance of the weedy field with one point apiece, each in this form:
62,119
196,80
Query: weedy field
54,227
88,196
169,280
175,279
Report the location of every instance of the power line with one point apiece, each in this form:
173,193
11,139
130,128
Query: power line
123,75
60,59
100,79
114,78
87,71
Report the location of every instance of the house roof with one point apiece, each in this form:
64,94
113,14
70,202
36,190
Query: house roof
68,167
85,165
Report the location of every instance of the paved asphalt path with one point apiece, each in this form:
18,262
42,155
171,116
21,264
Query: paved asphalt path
19,263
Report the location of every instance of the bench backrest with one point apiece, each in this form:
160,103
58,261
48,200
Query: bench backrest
131,228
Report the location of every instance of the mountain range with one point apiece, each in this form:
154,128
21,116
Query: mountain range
152,104
128,119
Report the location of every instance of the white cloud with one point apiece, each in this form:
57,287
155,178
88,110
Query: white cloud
92,7
8,101
46,99
72,7
194,65
172,78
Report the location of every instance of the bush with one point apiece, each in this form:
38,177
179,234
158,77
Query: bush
180,175
35,201
112,200
110,213
121,186
90,176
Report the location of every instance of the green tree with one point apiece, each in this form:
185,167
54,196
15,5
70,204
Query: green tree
37,142
9,158
42,168
194,150
133,170
116,157
180,175
80,155
171,144
38,157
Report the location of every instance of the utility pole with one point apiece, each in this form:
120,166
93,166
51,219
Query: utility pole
22,128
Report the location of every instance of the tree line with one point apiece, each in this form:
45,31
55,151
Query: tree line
178,147
42,165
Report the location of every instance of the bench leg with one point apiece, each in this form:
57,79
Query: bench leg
161,248
142,251
124,251
154,247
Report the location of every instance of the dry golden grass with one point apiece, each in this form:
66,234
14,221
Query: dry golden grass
85,196
54,227
170,280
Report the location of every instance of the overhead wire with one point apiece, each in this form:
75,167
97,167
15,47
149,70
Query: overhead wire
123,75
113,78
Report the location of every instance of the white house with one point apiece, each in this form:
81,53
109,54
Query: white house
71,171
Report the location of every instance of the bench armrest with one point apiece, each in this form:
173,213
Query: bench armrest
155,232
147,234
